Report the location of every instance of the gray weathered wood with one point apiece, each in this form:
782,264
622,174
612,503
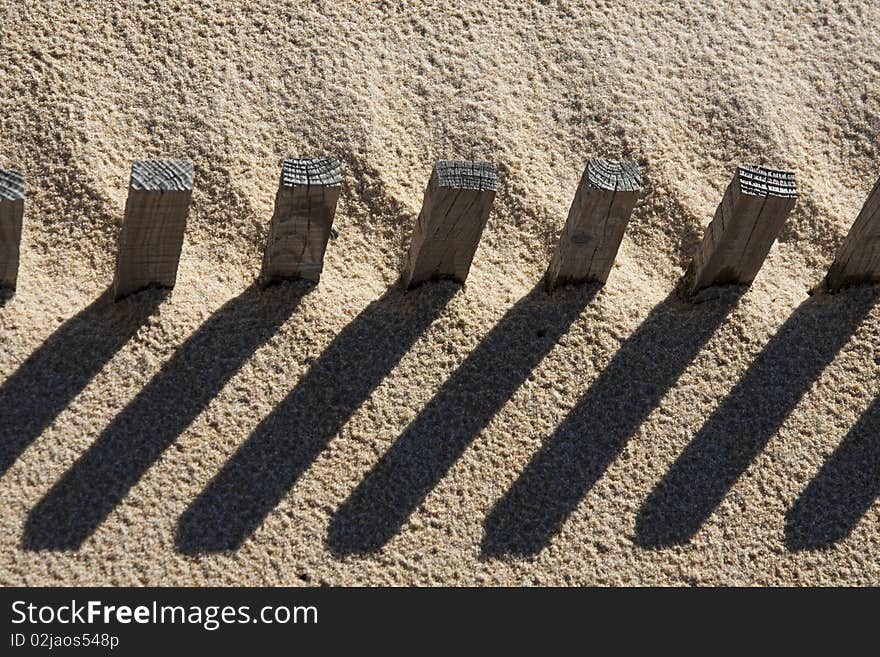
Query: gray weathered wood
858,259
305,205
748,220
601,209
455,209
11,214
152,231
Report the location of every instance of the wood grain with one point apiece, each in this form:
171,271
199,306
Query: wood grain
305,205
12,191
858,259
748,220
455,209
151,237
596,222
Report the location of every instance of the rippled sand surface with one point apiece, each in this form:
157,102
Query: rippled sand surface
354,434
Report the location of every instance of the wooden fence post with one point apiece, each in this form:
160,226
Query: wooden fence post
748,220
601,209
858,260
151,237
305,205
454,212
11,215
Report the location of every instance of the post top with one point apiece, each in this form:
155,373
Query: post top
162,175
761,181
614,175
465,174
324,171
11,185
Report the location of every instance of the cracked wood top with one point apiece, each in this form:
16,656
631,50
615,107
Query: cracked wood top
307,171
614,175
761,181
11,185
162,175
459,174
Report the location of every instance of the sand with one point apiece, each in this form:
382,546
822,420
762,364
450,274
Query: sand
351,433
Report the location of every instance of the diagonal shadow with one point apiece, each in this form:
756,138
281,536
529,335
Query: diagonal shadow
87,493
594,433
288,440
45,384
843,490
465,404
749,416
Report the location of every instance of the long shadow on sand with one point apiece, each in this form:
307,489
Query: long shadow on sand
749,416
288,440
87,493
841,492
33,396
593,434
465,404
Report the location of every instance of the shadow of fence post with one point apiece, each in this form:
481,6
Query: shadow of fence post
450,422
287,441
59,369
87,493
594,433
842,491
749,416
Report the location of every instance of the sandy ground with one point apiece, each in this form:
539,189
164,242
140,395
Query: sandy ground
354,434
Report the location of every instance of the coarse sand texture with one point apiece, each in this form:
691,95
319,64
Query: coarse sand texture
353,431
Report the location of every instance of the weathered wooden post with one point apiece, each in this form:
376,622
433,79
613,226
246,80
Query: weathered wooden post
305,205
11,215
601,209
858,260
750,216
454,212
151,237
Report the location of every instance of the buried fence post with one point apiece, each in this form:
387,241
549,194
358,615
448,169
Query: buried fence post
750,216
601,209
11,214
305,205
858,260
456,206
151,237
